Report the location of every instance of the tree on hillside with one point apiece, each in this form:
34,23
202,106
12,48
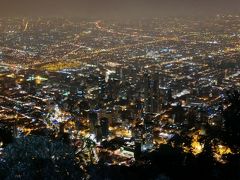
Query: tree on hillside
232,116
38,157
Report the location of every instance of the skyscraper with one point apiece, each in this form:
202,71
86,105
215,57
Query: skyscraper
101,87
148,132
93,120
98,133
151,93
105,126
147,92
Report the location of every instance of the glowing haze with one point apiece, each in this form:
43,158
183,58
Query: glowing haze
117,8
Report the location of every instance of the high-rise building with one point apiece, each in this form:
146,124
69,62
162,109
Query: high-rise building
137,150
148,93
137,133
101,87
98,133
148,132
169,95
178,113
93,120
105,126
157,101
152,98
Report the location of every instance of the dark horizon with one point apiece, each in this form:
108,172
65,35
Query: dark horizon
118,9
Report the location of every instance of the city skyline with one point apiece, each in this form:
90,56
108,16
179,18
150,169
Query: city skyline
120,90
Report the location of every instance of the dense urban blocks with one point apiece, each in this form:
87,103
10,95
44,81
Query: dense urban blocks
93,99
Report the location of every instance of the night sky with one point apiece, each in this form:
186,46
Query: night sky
117,8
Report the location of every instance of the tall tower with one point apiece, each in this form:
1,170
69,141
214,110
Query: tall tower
101,87
105,126
98,133
137,150
169,95
148,128
156,94
147,93
93,120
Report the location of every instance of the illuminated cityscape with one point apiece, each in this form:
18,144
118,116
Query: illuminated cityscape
91,98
